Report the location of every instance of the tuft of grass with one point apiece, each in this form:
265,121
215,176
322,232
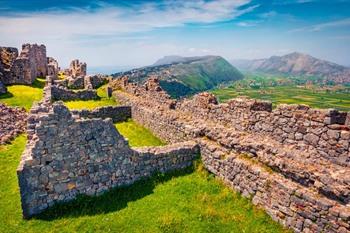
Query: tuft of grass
137,135
91,104
189,200
23,95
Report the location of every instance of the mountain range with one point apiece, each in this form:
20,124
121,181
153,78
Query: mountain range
298,64
182,76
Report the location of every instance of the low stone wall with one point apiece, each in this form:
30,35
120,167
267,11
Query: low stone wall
66,156
116,113
62,93
308,191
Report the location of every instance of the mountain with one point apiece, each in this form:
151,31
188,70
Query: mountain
298,64
182,76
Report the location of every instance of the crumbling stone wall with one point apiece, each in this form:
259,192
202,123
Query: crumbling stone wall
77,69
62,93
75,83
52,67
70,154
116,113
22,69
67,156
308,191
94,81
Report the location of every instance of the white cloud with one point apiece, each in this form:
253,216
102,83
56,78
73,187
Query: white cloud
323,26
70,33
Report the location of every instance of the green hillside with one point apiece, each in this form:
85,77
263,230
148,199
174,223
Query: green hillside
189,75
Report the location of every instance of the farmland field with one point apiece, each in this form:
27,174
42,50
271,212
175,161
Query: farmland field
313,96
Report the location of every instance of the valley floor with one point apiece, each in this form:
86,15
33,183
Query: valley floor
290,95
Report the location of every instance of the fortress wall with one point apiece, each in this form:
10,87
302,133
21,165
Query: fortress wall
25,67
291,204
62,93
67,155
325,130
308,191
116,113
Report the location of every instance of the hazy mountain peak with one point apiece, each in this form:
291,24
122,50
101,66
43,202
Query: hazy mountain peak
300,64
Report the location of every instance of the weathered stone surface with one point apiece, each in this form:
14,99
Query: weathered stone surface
23,69
68,155
77,69
12,122
3,89
293,160
62,93
52,67
116,113
75,83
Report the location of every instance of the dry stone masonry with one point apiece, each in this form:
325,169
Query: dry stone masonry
12,122
77,69
293,161
69,154
25,67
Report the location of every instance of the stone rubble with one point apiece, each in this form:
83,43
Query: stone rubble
12,122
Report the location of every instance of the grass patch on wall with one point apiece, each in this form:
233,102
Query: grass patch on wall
138,135
23,95
91,104
190,200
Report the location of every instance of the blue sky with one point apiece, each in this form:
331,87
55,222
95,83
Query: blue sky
136,33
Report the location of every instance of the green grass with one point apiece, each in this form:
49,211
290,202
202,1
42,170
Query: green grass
23,95
138,135
290,95
190,200
91,104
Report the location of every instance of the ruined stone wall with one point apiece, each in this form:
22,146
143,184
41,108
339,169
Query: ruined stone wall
52,67
22,69
325,130
77,68
116,113
67,156
62,93
94,81
244,130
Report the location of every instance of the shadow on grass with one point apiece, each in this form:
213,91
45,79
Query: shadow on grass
6,95
111,201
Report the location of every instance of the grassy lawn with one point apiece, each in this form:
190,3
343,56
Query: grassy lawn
184,201
23,95
137,134
290,95
91,104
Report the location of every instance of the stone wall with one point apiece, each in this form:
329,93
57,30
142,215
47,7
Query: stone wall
62,93
52,67
94,81
77,69
22,69
67,156
116,113
309,189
